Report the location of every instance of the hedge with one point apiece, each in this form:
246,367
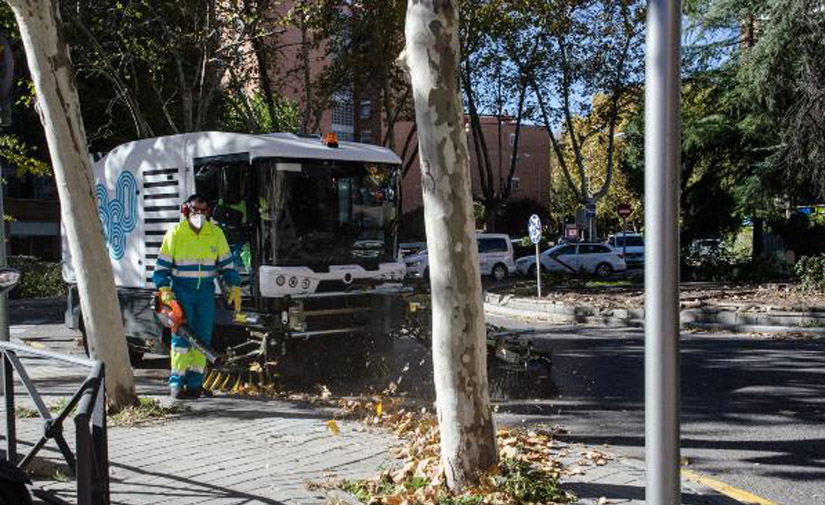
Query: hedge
38,278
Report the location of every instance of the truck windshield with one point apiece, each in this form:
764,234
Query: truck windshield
320,213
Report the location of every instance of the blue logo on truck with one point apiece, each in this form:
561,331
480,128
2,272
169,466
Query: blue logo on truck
118,216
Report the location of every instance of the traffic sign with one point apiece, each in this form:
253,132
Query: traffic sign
590,210
624,210
534,228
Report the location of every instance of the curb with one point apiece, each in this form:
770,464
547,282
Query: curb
532,309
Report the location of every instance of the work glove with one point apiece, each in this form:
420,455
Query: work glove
167,296
235,297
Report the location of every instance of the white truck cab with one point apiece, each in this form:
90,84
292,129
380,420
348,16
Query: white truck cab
312,226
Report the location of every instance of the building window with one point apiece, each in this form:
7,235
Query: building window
366,136
343,112
512,139
515,183
365,109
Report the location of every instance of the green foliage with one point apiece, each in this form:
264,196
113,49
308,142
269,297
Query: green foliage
724,177
465,499
16,152
810,270
357,488
416,483
25,412
249,113
774,51
59,405
38,278
727,268
800,234
525,484
784,73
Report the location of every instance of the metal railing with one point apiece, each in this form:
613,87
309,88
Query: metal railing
90,463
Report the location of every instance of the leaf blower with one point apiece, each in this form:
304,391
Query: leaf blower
170,315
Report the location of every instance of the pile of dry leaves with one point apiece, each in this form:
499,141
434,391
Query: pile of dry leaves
528,472
750,298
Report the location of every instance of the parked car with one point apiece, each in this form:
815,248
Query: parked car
630,245
410,248
495,254
574,258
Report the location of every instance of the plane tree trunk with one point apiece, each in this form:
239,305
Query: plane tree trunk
459,345
53,76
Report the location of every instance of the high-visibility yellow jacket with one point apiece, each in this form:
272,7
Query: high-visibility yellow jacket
193,260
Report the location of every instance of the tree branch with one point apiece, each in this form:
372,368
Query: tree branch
555,143
571,130
480,144
509,186
614,113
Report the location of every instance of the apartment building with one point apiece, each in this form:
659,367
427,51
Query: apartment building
531,178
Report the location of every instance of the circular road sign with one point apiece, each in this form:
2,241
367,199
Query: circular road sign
624,210
534,228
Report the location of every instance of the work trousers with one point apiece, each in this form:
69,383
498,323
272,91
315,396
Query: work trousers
199,310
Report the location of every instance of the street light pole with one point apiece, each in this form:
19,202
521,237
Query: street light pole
662,147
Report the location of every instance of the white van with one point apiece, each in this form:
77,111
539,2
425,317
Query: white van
495,254
630,245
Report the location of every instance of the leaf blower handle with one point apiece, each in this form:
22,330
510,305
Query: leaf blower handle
168,310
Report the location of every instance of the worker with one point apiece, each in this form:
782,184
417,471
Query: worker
191,255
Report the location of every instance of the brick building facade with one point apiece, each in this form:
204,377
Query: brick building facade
531,179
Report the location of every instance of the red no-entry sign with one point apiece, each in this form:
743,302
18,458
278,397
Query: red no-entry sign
624,210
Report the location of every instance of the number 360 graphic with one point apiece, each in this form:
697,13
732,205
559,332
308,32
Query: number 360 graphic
119,215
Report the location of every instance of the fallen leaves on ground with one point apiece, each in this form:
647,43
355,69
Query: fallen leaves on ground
528,472
750,298
147,411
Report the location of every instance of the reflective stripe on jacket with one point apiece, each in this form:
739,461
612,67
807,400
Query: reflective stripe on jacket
194,259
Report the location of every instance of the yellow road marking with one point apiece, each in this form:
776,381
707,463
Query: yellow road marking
737,494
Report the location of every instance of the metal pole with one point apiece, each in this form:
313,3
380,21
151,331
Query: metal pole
662,147
11,426
4,297
624,239
538,270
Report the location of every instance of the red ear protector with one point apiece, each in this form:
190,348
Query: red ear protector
187,207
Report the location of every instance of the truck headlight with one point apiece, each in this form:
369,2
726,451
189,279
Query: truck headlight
305,283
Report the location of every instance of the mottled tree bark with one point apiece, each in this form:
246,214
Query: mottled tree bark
459,346
59,106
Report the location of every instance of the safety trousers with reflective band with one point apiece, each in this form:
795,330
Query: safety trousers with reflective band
199,310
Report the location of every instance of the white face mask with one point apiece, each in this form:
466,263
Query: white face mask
196,220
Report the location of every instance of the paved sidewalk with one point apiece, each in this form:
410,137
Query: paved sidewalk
231,450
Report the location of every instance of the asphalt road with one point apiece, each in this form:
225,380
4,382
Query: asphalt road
753,409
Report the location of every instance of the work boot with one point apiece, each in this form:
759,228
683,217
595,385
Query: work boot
177,392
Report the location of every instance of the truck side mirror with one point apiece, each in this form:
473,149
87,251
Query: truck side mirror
9,278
